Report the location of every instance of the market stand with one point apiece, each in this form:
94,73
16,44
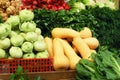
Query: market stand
52,75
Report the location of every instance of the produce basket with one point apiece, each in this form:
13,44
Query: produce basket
29,65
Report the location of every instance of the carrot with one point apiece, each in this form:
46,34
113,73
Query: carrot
82,47
49,44
60,61
64,33
70,53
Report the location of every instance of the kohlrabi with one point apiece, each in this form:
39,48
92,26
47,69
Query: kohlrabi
31,36
28,27
10,57
5,43
2,53
27,47
13,21
15,52
40,38
5,30
39,45
42,54
29,55
78,6
38,31
26,15
100,4
89,2
17,40
23,34
13,33
110,4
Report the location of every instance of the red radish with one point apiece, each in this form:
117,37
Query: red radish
60,8
35,2
29,1
24,1
33,6
49,6
66,7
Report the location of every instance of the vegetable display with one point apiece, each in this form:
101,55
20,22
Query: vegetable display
62,45
79,35
19,37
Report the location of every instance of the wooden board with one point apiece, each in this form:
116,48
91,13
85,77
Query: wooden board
53,75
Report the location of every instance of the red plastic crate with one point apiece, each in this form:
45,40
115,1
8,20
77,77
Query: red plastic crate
29,65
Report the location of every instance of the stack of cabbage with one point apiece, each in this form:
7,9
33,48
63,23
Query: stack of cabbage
20,38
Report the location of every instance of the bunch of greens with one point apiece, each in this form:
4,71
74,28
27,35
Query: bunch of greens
104,22
106,66
108,26
47,20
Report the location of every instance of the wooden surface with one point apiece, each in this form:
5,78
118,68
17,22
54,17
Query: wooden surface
53,75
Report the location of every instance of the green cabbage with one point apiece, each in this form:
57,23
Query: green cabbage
31,36
13,33
78,6
89,2
100,4
2,53
5,30
15,52
42,54
17,40
39,45
5,43
38,31
26,15
13,21
110,4
27,47
28,27
40,38
29,55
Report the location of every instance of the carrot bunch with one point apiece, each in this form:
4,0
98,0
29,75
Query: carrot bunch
72,44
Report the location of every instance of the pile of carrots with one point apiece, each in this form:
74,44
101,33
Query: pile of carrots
68,46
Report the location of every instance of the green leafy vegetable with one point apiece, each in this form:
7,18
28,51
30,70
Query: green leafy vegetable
20,74
47,20
108,26
105,67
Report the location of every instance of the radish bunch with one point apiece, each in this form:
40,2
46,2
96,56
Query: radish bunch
46,4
